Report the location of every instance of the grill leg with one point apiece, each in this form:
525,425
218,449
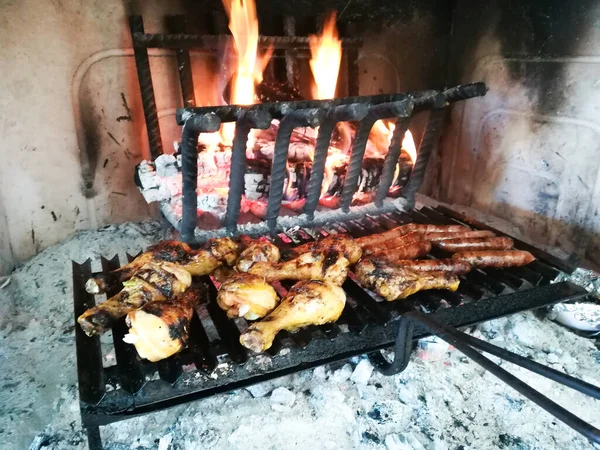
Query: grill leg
94,439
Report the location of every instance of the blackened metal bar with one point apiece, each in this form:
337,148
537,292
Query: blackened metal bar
170,369
89,353
212,42
229,113
391,161
250,119
193,126
337,114
454,337
291,64
142,64
199,345
131,374
428,142
298,118
184,65
383,111
465,92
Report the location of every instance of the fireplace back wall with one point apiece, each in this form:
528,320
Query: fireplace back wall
73,129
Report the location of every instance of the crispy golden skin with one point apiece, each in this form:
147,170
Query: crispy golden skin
307,303
394,283
259,250
328,266
246,295
160,329
340,243
153,281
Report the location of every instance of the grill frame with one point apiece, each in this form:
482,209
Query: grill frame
309,348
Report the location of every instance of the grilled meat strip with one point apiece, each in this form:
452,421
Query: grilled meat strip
328,266
307,303
403,230
436,237
466,244
153,281
340,243
436,265
160,328
410,251
196,262
257,250
393,243
394,283
498,258
246,295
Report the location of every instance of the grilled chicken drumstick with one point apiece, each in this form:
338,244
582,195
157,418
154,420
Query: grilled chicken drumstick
328,266
307,303
340,243
394,283
196,262
160,329
246,295
435,265
153,281
257,250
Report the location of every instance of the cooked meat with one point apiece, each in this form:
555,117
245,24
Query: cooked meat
393,283
328,266
466,244
437,265
436,237
246,295
222,273
498,258
410,251
340,243
308,303
160,329
403,230
196,262
257,250
153,281
394,243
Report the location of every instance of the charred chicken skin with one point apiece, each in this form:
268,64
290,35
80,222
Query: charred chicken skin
340,243
259,250
196,262
160,329
246,295
394,283
328,266
153,281
307,303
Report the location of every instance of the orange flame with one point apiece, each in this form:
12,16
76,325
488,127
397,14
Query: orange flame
243,24
326,55
383,130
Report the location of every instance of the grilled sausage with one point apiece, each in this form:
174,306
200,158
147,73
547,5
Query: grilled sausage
410,251
490,258
435,237
457,245
441,265
408,228
393,243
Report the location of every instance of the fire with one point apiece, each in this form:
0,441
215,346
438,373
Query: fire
383,130
326,55
243,24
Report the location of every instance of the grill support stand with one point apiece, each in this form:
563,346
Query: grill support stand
472,347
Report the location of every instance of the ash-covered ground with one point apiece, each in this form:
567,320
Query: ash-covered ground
445,403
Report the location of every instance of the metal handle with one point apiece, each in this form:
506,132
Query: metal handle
470,346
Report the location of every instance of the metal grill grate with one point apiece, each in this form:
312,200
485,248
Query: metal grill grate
215,362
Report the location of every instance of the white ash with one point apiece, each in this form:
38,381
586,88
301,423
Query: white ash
445,404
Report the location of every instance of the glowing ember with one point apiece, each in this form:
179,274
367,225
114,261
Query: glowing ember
326,55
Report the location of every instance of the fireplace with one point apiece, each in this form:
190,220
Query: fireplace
437,113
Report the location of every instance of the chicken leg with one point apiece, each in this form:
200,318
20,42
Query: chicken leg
246,295
307,303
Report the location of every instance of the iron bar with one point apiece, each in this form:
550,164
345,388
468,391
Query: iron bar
335,115
397,109
212,42
184,65
142,64
391,161
297,118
